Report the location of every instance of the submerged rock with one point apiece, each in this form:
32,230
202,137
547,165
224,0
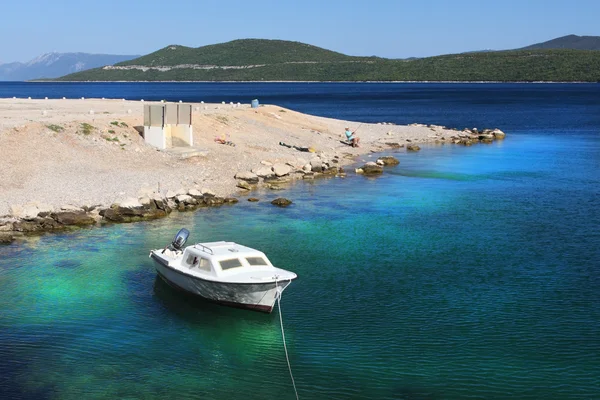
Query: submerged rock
413,147
281,202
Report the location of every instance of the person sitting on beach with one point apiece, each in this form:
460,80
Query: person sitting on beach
351,138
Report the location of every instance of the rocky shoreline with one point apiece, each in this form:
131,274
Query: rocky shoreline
74,163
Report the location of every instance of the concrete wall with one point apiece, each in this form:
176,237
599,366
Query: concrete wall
155,136
168,125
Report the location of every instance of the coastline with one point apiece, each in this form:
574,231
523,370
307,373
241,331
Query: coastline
453,82
86,156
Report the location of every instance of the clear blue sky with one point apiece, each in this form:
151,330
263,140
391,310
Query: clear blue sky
386,28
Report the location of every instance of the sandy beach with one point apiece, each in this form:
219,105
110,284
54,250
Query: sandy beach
48,156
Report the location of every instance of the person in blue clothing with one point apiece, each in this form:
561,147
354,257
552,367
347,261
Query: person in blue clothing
351,138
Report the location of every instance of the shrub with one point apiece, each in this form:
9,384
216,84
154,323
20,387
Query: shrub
55,128
86,128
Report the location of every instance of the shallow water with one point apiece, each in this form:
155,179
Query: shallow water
461,273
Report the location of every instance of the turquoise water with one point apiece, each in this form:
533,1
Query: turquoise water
462,273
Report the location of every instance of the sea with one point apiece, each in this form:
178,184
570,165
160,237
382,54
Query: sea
461,273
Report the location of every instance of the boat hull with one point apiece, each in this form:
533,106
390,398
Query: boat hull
258,297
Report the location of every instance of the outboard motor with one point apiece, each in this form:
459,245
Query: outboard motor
180,239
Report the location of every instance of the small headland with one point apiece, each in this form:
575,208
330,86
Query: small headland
69,163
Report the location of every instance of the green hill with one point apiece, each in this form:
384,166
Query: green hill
277,60
568,42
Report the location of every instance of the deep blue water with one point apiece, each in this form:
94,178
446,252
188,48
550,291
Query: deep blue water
462,273
529,107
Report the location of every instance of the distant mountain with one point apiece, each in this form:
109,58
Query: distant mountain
279,60
573,42
54,65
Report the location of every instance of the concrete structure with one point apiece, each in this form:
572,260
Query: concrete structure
168,125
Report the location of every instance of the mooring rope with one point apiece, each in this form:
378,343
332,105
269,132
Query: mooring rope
278,297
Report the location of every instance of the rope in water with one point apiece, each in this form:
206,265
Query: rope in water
278,297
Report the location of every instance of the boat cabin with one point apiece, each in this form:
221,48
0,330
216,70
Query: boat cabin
221,259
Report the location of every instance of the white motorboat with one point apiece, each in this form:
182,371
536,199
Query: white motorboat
223,272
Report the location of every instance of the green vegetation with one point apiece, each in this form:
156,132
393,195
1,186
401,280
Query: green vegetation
115,123
55,128
111,131
124,125
276,60
86,128
568,42
113,139
222,119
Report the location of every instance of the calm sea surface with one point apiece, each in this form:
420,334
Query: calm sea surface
462,273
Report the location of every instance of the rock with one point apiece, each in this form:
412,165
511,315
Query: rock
161,203
244,185
6,237
388,160
252,199
171,204
307,168
70,207
266,163
371,168
230,200
486,136
194,193
331,171
487,140
180,191
264,172
73,218
146,201
247,176
413,147
465,142
185,199
207,192
27,212
379,162
316,165
214,201
498,134
130,202
171,194
281,202
394,145
281,169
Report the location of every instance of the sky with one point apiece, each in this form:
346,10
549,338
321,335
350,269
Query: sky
384,28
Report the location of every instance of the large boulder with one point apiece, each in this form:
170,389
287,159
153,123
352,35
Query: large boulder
281,169
73,218
498,134
264,172
388,160
281,202
413,147
28,211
